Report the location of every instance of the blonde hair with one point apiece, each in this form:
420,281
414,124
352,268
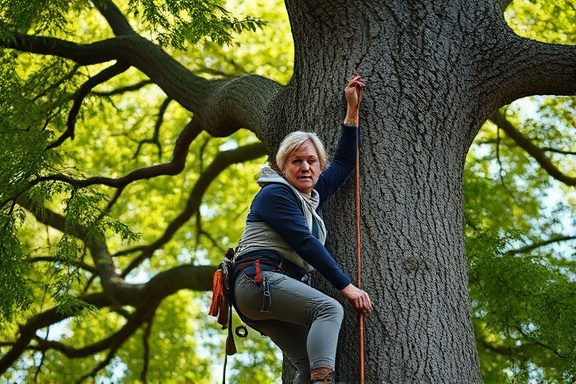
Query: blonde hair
293,141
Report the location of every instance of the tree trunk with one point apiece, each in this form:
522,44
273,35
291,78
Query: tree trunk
421,109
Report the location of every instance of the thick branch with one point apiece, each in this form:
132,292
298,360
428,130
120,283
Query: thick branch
174,167
114,341
115,18
52,316
113,284
83,54
531,247
79,96
221,106
530,67
533,150
197,278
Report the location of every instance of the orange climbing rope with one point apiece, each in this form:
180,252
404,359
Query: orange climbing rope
359,235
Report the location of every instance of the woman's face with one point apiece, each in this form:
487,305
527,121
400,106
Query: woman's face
302,167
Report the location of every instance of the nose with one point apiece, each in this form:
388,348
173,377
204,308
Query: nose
304,166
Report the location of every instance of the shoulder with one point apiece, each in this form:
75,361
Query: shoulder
275,194
275,189
274,201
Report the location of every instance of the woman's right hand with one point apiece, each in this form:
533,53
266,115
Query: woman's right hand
358,298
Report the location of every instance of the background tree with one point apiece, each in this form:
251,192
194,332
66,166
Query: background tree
111,212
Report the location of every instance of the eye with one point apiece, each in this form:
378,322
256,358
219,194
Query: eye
296,161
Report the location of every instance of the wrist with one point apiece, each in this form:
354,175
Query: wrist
346,288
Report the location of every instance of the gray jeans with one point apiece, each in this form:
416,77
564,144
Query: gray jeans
302,321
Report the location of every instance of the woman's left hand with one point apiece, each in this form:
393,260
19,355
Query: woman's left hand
353,93
353,90
359,298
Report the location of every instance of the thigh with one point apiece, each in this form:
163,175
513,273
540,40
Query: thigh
286,323
292,301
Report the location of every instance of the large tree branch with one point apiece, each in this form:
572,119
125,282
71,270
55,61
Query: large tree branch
533,150
174,167
83,54
113,342
79,96
113,284
52,316
528,67
543,243
166,283
114,17
221,106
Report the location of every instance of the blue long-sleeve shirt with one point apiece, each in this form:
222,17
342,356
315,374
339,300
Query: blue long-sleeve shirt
276,205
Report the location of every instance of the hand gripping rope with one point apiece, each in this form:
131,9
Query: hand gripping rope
359,234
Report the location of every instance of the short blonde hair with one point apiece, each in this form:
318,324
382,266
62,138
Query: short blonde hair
293,141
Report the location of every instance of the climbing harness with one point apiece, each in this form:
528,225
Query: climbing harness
359,234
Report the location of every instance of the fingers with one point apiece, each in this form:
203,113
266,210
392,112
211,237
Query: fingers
354,77
363,303
356,81
357,85
358,298
353,90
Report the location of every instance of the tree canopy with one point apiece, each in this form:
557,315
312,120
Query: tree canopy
120,192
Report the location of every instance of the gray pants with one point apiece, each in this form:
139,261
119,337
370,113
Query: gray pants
302,321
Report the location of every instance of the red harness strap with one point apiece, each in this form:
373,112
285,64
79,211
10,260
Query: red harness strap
258,275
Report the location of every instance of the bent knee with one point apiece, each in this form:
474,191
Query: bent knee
331,308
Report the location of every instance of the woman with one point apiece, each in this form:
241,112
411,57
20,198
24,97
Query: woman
284,241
